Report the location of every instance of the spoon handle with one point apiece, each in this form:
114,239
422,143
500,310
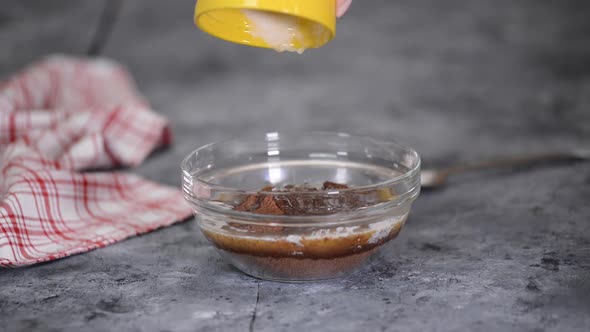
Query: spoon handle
525,160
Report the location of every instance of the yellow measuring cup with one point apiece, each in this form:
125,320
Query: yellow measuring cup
284,25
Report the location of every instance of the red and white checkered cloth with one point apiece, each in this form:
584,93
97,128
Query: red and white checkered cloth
57,118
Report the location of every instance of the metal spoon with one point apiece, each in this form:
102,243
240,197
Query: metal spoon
435,178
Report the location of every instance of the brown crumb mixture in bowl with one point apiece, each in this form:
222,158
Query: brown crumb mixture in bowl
314,216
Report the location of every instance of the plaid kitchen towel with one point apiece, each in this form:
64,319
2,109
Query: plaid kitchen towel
58,118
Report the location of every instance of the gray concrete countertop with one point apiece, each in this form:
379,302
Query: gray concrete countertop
458,80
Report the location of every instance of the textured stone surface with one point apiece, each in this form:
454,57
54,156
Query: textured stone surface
457,79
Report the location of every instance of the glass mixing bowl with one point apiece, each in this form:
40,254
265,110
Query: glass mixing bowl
313,232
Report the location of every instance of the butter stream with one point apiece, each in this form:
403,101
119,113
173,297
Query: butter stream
277,30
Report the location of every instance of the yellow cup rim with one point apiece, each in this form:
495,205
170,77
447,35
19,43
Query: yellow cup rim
327,22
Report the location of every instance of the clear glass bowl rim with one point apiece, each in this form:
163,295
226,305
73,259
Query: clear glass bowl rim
412,174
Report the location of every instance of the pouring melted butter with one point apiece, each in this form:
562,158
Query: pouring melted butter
280,32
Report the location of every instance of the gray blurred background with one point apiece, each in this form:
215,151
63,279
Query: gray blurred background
456,79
